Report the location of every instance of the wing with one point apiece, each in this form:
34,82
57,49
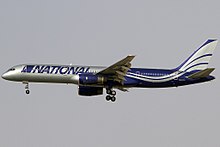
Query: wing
201,74
117,71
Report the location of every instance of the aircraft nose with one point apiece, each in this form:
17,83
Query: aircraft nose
6,76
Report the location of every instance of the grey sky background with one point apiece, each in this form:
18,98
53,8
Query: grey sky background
161,33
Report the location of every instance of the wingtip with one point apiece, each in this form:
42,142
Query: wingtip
212,39
131,56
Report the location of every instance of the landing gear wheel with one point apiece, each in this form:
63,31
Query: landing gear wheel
113,99
108,97
110,94
27,91
113,92
108,91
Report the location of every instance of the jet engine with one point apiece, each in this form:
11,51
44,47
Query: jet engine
91,79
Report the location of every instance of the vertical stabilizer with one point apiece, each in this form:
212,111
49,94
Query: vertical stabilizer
200,58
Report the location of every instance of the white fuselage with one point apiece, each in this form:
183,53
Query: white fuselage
48,73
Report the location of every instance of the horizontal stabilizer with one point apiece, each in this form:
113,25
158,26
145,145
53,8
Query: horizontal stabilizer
201,74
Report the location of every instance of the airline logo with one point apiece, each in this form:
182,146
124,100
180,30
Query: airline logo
47,69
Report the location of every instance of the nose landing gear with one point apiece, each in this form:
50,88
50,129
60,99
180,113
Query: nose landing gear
111,95
27,91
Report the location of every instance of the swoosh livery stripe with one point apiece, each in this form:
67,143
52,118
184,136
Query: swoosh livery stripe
196,65
157,80
203,56
197,51
153,78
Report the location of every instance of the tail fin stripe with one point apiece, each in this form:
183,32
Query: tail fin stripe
197,65
207,42
203,56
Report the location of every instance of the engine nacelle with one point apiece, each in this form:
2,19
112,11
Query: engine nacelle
90,91
91,79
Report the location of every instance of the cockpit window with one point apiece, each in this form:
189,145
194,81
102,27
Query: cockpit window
11,69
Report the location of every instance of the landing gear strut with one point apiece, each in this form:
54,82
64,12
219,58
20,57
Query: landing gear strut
111,95
27,91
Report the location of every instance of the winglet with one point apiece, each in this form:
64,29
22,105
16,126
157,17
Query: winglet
202,74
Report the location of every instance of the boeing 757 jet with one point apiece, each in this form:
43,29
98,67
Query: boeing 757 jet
91,80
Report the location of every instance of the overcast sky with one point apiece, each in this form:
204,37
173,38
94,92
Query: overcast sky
160,33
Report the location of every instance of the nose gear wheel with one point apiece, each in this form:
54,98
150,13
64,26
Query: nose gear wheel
27,91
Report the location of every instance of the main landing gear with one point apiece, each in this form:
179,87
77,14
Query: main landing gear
111,95
27,91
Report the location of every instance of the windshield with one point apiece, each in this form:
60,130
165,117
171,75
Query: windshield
11,69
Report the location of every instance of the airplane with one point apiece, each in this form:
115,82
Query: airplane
92,80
